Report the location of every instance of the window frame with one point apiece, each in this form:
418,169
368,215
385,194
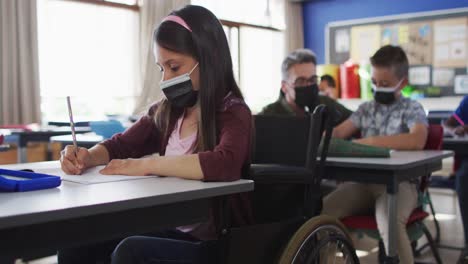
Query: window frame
135,7
233,24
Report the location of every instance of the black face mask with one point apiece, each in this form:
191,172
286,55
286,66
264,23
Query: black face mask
307,96
179,90
384,97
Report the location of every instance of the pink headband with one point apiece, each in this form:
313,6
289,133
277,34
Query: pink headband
178,20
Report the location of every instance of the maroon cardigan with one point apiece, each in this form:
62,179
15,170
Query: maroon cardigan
228,161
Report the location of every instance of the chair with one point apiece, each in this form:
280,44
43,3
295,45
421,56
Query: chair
436,117
415,225
287,173
106,128
3,147
67,123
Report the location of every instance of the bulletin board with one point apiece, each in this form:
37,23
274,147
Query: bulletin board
436,44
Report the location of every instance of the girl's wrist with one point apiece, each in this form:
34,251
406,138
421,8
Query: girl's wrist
150,166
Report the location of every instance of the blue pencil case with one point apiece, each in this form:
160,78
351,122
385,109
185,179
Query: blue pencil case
23,181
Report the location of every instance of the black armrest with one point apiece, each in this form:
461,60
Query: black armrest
276,173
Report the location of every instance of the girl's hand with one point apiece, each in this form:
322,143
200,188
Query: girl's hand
74,164
131,167
459,131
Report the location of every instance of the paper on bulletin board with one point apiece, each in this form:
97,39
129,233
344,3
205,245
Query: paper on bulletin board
419,46
365,41
420,75
389,35
443,77
450,42
403,34
461,84
395,34
342,41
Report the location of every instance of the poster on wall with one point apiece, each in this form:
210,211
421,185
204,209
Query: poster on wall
415,39
461,84
419,47
342,41
419,75
340,45
389,35
450,42
365,41
443,77
395,34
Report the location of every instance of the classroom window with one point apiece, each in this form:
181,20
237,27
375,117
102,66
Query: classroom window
232,34
256,39
267,13
261,53
88,50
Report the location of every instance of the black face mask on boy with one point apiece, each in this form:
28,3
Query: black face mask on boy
307,96
385,95
179,90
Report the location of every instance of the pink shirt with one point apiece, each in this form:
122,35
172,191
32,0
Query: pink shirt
182,146
177,146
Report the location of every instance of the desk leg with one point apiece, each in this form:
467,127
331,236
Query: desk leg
392,228
22,155
49,151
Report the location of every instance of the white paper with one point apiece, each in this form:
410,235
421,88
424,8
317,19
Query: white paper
420,75
91,176
448,131
365,40
441,33
461,84
457,50
443,77
441,52
457,32
450,42
342,42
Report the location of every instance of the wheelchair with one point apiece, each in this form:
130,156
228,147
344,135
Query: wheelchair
287,168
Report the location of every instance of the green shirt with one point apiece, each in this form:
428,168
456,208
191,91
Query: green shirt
282,108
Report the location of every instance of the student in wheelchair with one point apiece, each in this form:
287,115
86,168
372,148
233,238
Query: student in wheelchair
287,200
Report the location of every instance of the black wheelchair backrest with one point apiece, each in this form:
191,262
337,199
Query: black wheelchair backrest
280,140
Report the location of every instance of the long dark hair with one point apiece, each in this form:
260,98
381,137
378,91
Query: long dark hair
208,45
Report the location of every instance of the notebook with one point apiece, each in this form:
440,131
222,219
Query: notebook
91,176
344,148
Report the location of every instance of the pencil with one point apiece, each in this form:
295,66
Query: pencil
458,119
72,125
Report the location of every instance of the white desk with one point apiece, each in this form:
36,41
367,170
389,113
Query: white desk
401,166
76,214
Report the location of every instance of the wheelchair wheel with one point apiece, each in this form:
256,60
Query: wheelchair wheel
321,239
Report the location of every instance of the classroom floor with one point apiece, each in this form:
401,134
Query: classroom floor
446,205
